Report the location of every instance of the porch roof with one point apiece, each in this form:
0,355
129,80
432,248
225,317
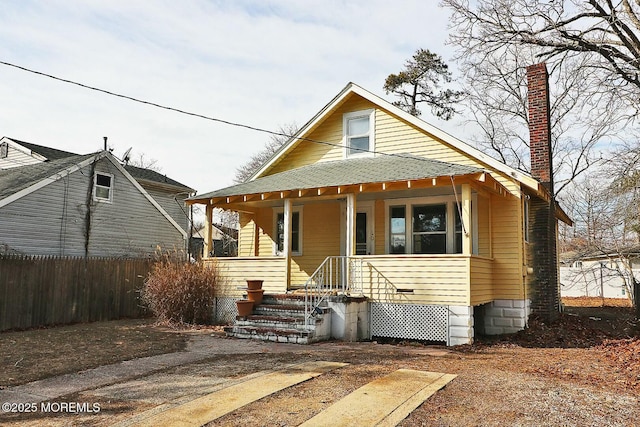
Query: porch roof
365,170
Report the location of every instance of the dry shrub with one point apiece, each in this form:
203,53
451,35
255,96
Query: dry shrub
181,292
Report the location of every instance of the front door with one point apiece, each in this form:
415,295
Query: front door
364,229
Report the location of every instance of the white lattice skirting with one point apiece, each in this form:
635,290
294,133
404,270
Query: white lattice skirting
406,321
224,310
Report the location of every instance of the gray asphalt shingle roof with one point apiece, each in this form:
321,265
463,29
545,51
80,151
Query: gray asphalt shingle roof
138,173
151,175
17,179
48,152
347,172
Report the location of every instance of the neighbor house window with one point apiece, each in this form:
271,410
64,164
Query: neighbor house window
358,133
4,150
103,187
296,235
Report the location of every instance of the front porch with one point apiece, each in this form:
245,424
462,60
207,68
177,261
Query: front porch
407,279
426,297
412,236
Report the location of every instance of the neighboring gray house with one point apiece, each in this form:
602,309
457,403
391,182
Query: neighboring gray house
53,202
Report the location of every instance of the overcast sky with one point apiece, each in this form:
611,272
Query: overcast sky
260,63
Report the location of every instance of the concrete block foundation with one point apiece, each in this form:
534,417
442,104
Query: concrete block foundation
503,316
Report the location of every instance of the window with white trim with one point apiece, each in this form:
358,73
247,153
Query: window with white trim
358,132
4,150
296,231
430,225
103,187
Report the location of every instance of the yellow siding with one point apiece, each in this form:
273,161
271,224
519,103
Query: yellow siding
396,136
434,279
265,219
392,135
330,130
236,271
481,280
320,239
484,226
507,248
246,235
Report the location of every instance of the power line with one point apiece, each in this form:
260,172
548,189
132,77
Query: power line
154,104
201,116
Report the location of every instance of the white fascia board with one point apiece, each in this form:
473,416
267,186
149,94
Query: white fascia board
50,180
145,194
13,144
438,133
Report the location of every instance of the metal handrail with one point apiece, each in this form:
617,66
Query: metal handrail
336,275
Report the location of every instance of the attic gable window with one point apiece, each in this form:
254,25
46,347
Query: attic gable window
4,150
103,187
358,131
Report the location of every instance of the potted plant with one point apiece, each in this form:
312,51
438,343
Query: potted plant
255,295
245,307
254,285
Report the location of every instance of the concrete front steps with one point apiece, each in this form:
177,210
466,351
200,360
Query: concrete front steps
280,318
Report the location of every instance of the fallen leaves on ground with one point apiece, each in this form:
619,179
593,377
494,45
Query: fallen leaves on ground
611,336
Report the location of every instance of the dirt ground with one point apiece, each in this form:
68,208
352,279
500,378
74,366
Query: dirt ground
31,355
582,370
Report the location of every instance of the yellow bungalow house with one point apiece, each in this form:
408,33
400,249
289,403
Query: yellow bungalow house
429,237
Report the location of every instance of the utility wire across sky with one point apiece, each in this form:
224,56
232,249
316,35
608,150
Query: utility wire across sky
201,116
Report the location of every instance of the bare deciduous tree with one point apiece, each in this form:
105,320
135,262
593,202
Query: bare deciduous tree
247,170
594,87
606,225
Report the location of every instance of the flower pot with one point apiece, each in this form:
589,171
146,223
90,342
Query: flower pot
254,285
245,307
255,296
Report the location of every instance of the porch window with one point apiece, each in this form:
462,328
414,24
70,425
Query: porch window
430,229
103,187
296,247
397,229
428,225
358,133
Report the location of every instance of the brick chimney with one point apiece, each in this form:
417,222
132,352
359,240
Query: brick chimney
540,125
542,253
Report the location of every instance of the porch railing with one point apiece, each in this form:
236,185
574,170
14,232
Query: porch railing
337,275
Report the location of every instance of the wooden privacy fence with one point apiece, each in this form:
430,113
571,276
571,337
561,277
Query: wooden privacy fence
39,291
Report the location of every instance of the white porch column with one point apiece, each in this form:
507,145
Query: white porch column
208,231
286,249
351,225
467,223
